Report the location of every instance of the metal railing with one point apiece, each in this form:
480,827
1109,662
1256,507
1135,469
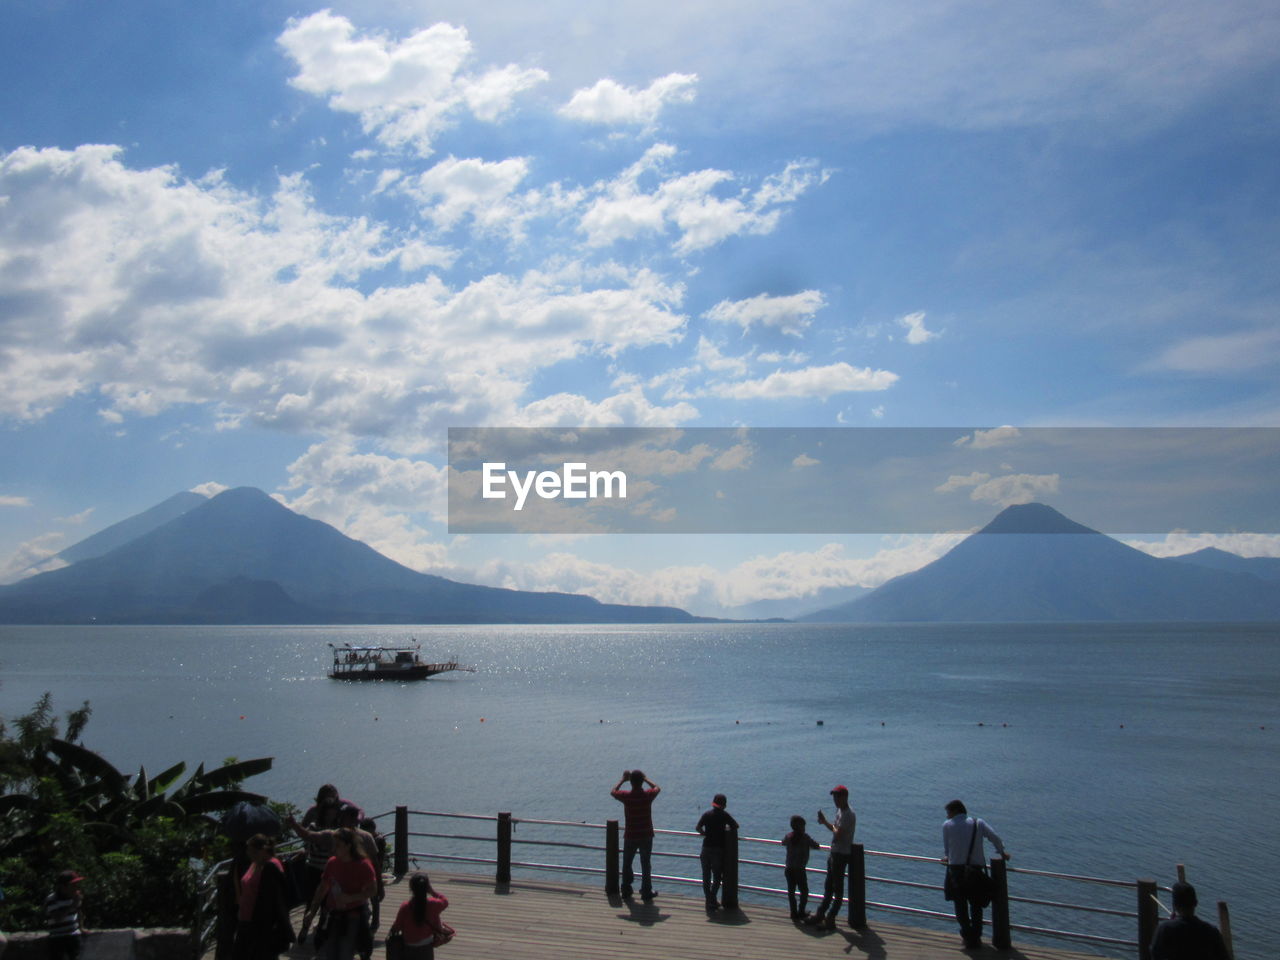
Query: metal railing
1141,916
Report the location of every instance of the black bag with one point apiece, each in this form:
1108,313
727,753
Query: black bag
977,886
969,881
394,946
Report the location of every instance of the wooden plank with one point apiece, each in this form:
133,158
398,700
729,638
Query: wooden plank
533,919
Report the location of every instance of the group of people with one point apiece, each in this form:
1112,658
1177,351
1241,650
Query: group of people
1182,937
713,826
342,886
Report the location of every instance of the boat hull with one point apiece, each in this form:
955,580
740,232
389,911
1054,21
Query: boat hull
415,672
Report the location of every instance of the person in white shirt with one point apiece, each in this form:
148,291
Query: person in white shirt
837,860
962,837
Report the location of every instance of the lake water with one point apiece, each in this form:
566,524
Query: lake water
1107,750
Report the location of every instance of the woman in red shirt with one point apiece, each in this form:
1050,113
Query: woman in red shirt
419,920
264,930
348,883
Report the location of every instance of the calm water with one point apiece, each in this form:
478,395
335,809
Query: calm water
1114,751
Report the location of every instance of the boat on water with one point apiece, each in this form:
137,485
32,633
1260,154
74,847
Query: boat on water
351,662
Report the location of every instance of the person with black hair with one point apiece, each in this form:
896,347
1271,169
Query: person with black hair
712,827
347,885
1184,936
637,837
418,920
798,844
966,864
263,930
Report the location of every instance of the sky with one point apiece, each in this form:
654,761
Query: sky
255,243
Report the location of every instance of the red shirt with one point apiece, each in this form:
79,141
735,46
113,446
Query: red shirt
249,885
349,878
637,805
416,934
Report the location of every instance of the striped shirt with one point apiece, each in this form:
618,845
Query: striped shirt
62,915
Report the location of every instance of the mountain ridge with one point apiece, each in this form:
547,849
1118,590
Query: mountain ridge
1046,567
218,563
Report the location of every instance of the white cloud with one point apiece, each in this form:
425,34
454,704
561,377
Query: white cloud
210,488
405,92
1003,491
692,203
793,357
454,189
1241,544
737,457
76,519
1015,488
790,314
34,556
628,408
156,291
986,439
709,357
916,332
374,498
957,482
1222,353
804,460
705,589
609,102
822,381
13,501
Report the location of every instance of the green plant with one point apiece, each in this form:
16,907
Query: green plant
139,841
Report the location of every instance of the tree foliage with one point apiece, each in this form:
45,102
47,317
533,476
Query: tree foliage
140,841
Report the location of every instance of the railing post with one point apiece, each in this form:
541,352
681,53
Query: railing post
729,866
1148,917
1224,927
611,859
857,887
1001,935
400,865
504,848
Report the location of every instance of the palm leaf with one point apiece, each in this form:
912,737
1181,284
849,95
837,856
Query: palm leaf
231,773
83,760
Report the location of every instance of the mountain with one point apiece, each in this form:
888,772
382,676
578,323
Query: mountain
788,608
1031,563
242,557
118,534
1265,568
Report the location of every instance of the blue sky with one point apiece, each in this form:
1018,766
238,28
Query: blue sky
288,247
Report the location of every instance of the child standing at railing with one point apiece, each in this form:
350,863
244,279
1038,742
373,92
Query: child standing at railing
798,843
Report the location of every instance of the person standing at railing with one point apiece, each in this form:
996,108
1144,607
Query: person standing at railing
841,850
712,827
1184,936
967,885
637,836
798,844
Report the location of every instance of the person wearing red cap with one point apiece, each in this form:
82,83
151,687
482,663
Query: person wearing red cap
837,859
62,913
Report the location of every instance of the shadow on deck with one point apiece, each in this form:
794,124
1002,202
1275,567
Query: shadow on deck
541,920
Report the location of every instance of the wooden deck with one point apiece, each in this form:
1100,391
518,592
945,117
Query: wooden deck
540,919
